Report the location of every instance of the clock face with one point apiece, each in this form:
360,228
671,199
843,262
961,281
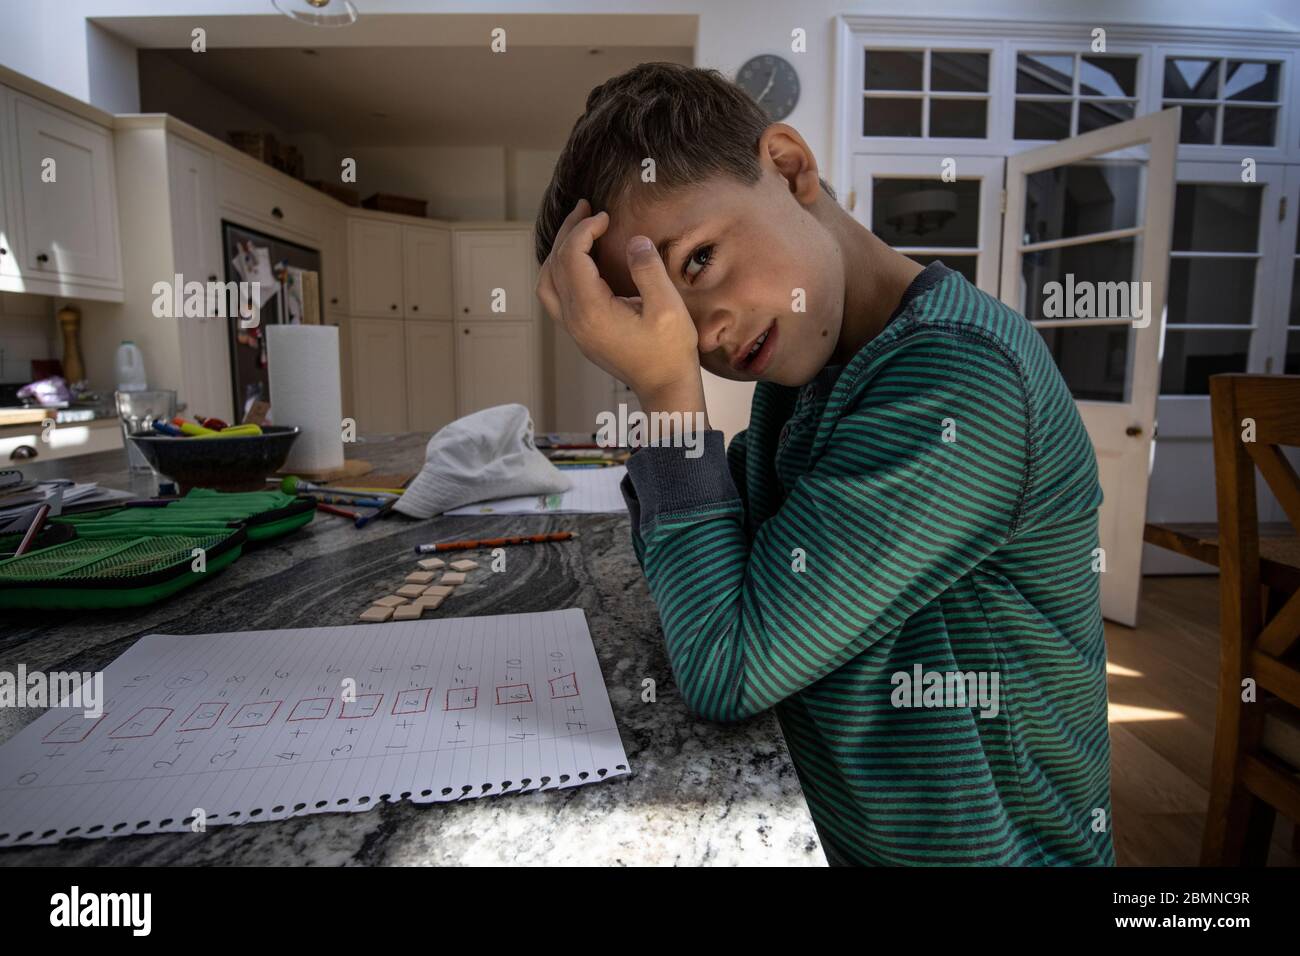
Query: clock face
773,84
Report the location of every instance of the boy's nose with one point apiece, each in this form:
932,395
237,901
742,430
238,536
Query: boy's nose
713,328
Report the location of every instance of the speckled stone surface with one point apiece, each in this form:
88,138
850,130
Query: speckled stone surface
699,793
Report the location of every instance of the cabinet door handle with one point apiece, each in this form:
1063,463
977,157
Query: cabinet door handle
3,251
212,278
42,257
334,301
393,306
466,309
415,308
467,331
1133,431
277,212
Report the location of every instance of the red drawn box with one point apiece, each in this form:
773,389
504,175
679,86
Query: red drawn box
343,710
160,714
423,702
91,724
471,694
329,703
221,709
526,699
563,687
256,703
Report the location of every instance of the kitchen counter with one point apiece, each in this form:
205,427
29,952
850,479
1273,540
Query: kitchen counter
699,792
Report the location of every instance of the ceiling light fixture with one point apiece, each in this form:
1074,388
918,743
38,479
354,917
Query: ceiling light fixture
318,13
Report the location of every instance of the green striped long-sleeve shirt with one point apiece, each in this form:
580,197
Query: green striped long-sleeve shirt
914,525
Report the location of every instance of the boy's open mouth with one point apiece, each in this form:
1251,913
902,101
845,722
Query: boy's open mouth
757,355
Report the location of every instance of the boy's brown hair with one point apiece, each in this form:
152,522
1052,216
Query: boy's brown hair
694,123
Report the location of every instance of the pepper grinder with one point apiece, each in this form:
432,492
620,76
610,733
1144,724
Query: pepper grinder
74,371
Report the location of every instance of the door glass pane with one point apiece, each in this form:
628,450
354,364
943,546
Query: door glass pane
1197,124
1250,80
1081,199
1190,78
966,265
1108,75
1042,119
959,72
1094,360
1292,366
887,116
1044,73
1248,125
1192,356
1092,281
894,69
963,118
1216,218
1096,115
1211,291
926,212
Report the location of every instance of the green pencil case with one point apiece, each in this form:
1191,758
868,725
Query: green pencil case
133,556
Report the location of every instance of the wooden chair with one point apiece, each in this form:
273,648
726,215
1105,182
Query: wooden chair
1256,770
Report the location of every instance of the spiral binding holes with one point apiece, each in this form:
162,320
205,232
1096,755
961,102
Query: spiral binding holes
525,785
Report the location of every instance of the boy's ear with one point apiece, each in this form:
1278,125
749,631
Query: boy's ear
783,147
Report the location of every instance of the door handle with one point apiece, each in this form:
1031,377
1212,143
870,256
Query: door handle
1133,431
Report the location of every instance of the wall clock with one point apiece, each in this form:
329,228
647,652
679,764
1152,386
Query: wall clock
773,83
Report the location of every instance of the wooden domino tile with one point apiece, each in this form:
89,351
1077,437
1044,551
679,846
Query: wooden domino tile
409,612
420,577
411,590
376,613
432,564
464,564
391,600
452,577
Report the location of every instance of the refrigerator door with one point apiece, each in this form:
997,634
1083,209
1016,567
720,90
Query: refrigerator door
254,256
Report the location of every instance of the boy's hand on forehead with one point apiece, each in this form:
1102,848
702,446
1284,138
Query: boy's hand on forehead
646,340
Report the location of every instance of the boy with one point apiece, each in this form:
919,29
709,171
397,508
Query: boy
907,523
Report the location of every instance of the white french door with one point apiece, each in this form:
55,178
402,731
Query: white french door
910,204
1091,210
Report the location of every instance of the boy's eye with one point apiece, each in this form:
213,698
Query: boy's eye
697,262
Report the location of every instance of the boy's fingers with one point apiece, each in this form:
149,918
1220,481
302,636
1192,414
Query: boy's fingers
580,211
650,276
576,277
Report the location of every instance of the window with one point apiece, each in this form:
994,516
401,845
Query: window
1225,102
1212,267
926,93
1061,94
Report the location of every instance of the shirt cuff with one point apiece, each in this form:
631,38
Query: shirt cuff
661,480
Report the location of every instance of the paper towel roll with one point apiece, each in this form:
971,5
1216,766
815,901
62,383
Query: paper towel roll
303,364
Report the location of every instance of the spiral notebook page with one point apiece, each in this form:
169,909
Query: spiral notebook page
263,725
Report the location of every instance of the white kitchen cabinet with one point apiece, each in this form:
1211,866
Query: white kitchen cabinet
430,375
334,263
375,268
264,200
426,272
62,201
196,251
496,363
494,274
378,360
8,224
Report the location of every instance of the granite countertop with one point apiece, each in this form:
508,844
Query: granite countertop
699,792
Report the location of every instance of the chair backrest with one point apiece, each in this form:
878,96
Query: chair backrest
1254,418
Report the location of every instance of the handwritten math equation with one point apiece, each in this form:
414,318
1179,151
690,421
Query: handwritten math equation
204,720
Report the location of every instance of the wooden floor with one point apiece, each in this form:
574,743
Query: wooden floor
1162,678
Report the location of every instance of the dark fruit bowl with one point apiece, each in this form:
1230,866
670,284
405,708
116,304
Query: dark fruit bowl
223,464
